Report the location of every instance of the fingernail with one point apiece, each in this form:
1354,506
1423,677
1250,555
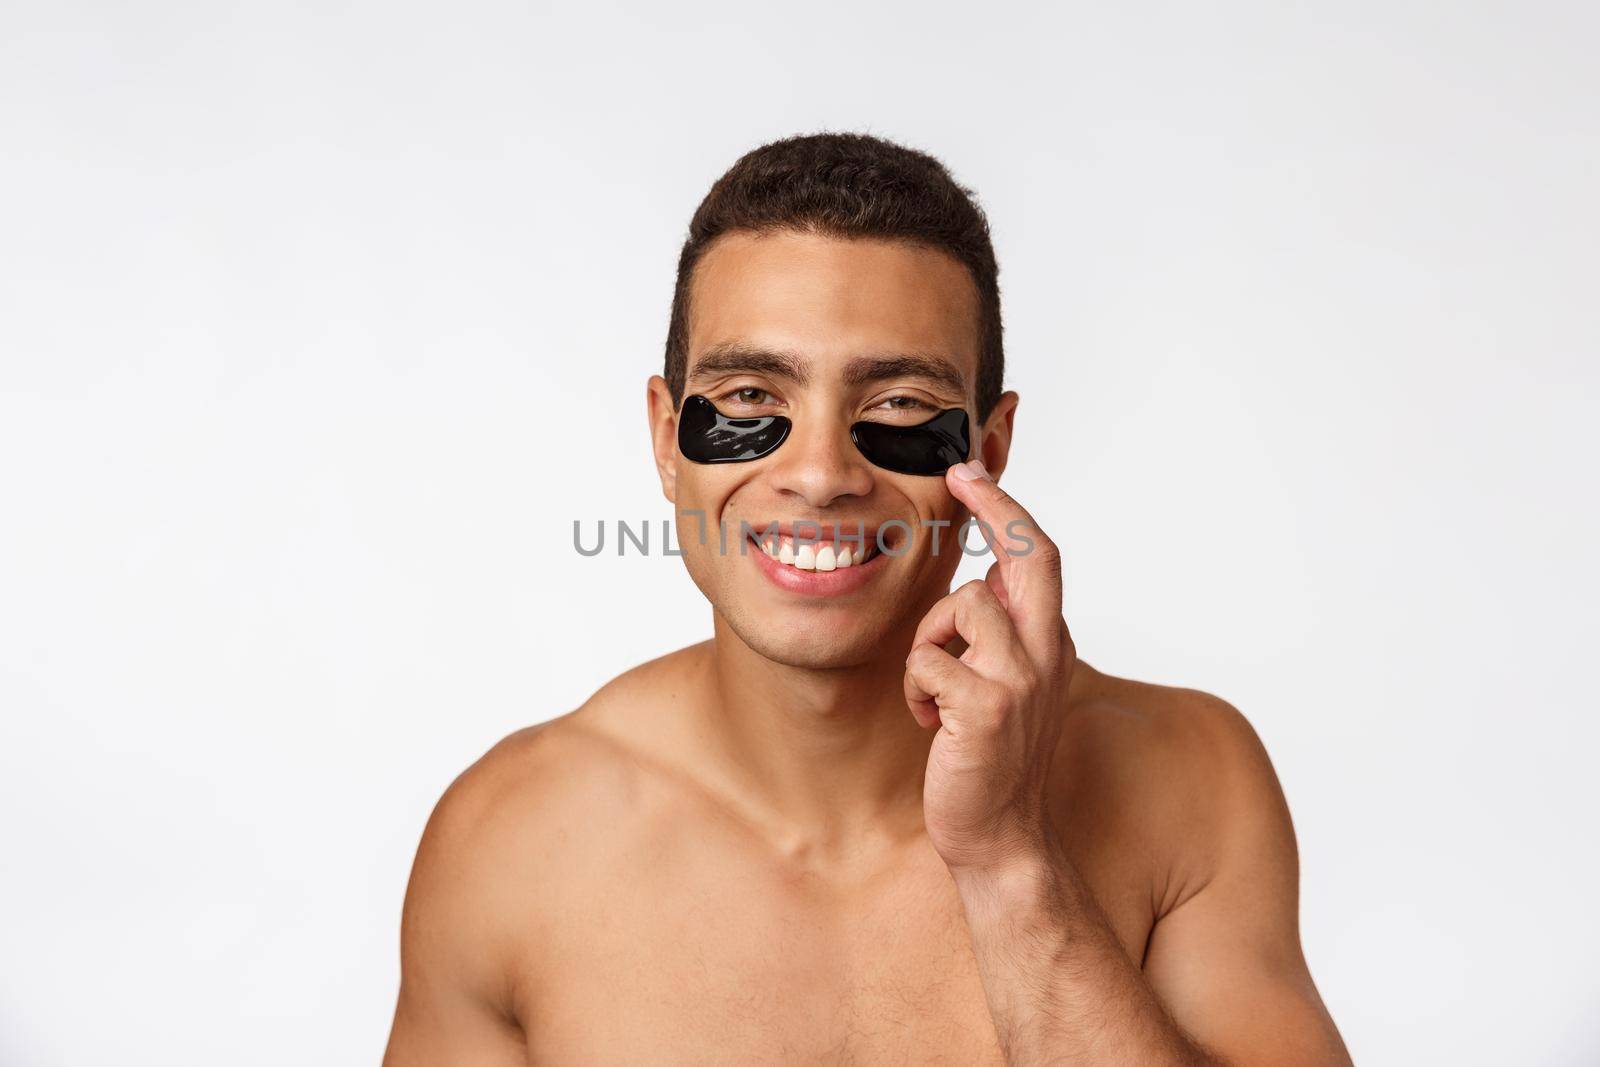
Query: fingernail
971,472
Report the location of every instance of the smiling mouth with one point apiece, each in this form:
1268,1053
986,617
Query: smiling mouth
814,555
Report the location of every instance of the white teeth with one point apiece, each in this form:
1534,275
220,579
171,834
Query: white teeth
813,556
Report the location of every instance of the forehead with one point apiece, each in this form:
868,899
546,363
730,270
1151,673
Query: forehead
832,298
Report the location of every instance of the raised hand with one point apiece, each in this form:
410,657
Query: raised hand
998,705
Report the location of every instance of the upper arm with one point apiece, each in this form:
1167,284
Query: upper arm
455,974
1226,960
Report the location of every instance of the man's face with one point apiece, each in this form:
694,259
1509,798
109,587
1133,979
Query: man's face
826,332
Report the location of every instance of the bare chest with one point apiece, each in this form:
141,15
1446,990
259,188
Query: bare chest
709,963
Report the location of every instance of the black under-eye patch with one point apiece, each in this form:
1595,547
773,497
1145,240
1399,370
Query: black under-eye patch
931,447
706,435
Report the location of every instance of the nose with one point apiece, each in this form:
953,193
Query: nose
819,465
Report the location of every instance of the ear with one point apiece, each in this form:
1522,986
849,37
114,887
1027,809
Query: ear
663,434
994,438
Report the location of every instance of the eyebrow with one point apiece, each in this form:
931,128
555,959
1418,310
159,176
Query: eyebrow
864,370
735,357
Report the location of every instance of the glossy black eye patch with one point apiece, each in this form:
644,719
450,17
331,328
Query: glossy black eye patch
706,435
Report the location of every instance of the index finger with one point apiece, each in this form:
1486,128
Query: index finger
1030,563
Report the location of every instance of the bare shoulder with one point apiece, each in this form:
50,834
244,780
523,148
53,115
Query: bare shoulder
516,826
539,784
1198,822
1181,770
503,861
1183,738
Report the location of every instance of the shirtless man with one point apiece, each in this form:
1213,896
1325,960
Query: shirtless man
870,820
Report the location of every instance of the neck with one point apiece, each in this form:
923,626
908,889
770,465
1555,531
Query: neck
828,761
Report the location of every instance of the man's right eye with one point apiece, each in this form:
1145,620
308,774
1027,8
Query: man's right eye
750,395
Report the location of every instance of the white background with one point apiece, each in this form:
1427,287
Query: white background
297,308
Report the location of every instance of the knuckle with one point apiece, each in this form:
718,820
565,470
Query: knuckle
1024,677
974,591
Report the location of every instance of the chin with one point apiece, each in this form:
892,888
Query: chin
817,650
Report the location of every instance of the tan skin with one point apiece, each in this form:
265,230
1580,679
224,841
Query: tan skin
904,825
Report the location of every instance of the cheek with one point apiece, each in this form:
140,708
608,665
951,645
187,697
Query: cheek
700,513
933,502
935,510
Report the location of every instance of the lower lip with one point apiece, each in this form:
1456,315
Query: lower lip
837,582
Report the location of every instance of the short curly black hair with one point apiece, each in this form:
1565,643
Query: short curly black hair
847,185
